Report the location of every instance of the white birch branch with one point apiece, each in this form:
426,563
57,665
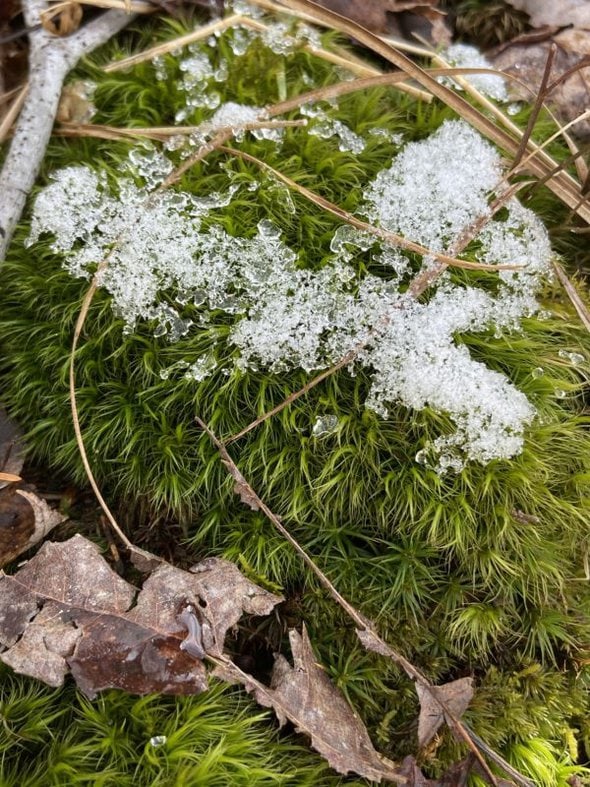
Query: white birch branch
50,59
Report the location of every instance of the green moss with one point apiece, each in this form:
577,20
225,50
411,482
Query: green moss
480,572
57,737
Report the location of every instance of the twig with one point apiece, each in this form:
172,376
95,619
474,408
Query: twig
389,237
13,113
572,293
162,133
365,628
540,97
76,421
417,286
51,58
169,46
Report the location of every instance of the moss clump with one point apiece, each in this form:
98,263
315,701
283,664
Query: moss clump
57,737
476,572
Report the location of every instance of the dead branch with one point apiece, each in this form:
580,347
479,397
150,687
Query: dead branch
51,58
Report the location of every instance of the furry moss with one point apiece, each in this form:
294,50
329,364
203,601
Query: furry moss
476,573
57,737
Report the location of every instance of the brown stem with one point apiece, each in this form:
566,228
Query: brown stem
365,627
417,287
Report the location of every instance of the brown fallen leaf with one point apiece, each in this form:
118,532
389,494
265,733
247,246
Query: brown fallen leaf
25,519
402,18
414,776
304,695
67,610
456,695
11,447
527,61
558,13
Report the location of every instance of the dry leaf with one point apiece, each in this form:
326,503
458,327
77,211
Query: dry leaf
557,13
526,62
63,22
414,776
456,695
25,519
11,447
67,610
304,695
402,18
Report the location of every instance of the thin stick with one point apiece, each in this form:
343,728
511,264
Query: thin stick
76,421
391,79
10,94
560,132
540,97
162,133
176,43
214,144
572,293
365,628
129,6
389,237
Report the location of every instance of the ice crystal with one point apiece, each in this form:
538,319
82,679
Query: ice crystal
324,425
436,188
162,261
236,116
325,127
467,56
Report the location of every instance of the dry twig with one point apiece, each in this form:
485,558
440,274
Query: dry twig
51,58
365,628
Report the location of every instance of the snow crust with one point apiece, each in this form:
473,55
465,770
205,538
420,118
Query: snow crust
161,260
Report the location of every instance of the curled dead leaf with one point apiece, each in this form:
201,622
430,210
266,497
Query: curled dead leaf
303,694
558,13
401,18
63,19
456,695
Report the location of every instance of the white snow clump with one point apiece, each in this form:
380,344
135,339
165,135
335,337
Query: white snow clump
467,56
160,259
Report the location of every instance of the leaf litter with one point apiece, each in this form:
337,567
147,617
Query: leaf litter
66,611
25,518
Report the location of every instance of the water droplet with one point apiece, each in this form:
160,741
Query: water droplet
514,108
422,456
537,372
560,393
573,358
324,425
201,368
158,740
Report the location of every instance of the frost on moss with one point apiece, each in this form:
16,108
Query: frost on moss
286,317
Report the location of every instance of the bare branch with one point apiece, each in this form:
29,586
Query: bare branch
50,60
